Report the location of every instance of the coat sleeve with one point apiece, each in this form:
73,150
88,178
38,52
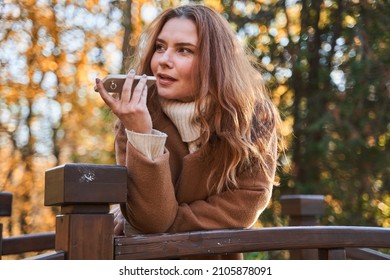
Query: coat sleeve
239,208
152,207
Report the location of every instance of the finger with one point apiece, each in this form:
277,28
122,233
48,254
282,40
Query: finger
116,218
118,229
114,209
107,98
144,95
116,214
126,90
117,222
135,99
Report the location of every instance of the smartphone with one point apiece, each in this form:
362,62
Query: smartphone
114,83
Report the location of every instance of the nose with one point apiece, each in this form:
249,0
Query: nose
166,59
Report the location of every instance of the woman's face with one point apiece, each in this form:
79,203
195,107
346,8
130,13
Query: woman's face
174,60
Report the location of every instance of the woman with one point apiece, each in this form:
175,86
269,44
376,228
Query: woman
201,144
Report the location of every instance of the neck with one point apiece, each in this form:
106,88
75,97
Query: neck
182,114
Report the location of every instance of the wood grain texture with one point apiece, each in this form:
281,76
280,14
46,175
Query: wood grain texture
266,239
28,243
71,184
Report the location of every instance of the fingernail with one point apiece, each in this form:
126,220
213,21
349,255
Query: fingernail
144,76
132,71
97,80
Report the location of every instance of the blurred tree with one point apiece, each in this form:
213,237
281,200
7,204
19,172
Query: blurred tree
327,65
51,54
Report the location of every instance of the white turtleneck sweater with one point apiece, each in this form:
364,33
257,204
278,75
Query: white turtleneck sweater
182,115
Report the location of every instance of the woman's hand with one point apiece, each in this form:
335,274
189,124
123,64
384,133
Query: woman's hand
119,220
130,107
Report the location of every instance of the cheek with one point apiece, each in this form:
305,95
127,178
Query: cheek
187,69
153,65
195,77
193,72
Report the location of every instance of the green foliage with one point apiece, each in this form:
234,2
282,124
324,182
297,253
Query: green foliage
332,60
272,255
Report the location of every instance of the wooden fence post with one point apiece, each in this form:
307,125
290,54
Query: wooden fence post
303,210
84,228
5,211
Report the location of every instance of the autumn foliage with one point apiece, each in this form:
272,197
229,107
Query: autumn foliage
326,63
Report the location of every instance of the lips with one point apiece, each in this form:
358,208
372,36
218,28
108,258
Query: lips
165,79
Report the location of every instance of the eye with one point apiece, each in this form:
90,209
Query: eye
159,48
185,51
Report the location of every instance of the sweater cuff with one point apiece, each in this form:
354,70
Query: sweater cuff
150,145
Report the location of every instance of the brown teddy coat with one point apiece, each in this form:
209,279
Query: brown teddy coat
169,193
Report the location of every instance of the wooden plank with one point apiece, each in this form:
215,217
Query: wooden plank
233,241
365,254
62,242
302,205
332,254
75,183
304,254
60,255
5,204
303,210
337,254
28,243
85,236
1,240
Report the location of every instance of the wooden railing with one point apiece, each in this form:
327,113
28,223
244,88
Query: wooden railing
5,211
84,227
23,243
330,241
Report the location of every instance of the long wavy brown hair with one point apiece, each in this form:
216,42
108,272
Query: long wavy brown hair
239,123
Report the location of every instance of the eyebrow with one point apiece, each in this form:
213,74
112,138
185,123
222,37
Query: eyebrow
180,44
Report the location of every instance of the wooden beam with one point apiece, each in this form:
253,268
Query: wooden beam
156,246
332,254
28,243
60,255
5,204
85,236
303,210
74,184
85,228
365,254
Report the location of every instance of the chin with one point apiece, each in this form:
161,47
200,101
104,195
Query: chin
167,96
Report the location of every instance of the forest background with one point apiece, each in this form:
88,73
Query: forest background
326,64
